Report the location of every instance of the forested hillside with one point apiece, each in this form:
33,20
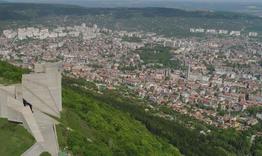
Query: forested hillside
25,11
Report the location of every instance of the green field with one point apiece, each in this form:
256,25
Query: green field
132,39
159,57
14,139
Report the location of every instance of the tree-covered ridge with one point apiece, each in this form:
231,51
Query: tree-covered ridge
91,127
27,11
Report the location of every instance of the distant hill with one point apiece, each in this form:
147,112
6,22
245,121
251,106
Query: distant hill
25,11
164,21
248,6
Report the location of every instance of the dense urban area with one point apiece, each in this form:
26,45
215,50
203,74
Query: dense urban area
213,79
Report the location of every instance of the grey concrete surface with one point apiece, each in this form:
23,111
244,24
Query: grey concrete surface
42,90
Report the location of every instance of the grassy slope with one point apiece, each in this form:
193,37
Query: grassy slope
88,127
10,74
14,139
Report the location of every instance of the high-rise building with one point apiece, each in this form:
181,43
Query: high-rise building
188,71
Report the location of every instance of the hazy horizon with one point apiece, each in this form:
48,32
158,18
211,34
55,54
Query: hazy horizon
253,7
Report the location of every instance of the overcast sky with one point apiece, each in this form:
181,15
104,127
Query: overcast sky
214,5
61,1
183,4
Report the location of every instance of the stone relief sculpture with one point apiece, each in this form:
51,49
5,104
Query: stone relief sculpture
35,103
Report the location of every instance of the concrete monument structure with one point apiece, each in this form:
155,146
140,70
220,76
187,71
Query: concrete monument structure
35,103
